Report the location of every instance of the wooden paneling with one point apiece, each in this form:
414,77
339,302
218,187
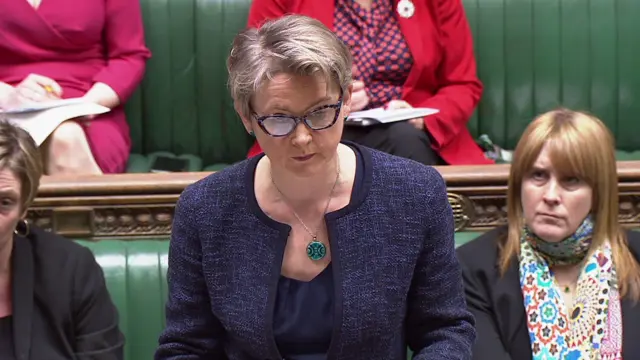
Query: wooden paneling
141,205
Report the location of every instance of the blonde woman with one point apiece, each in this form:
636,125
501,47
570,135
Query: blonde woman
561,280
54,302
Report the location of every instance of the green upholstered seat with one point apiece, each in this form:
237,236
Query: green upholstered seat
135,272
535,55
183,106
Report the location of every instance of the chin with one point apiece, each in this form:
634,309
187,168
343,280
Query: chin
304,169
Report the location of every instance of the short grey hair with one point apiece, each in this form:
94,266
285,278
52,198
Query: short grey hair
292,44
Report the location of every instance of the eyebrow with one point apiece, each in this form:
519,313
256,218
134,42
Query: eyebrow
280,108
538,168
9,193
317,103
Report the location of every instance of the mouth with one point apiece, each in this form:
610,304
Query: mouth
550,216
303,158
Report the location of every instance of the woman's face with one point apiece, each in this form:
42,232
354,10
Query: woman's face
553,206
10,211
304,152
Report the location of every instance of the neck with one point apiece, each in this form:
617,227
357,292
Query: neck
299,189
569,251
365,3
5,277
5,257
6,247
567,275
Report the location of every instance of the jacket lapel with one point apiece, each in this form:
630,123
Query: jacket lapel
22,297
509,304
630,329
631,311
413,31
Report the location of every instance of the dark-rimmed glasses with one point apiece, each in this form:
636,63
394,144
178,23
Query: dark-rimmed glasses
278,125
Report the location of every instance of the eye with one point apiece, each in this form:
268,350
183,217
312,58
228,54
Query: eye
572,181
538,175
320,113
7,202
278,119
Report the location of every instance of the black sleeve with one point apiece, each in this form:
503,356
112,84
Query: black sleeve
97,336
488,345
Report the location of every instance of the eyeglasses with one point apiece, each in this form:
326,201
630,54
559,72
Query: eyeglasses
279,125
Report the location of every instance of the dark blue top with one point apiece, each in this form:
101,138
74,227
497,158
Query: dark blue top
396,278
303,319
6,338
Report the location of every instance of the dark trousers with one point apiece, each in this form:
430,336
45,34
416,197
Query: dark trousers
398,138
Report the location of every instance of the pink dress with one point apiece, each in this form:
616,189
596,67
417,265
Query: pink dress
79,43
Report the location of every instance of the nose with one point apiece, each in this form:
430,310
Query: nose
552,192
301,135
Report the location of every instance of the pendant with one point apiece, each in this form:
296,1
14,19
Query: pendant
406,8
316,250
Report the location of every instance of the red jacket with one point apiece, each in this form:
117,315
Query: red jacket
443,75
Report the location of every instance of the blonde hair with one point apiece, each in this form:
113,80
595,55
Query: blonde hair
579,145
293,44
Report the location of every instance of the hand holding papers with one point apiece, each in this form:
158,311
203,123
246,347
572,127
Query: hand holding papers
382,116
41,119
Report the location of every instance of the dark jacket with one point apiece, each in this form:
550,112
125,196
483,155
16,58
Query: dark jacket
498,305
61,307
396,276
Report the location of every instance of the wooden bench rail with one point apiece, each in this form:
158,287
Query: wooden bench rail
141,205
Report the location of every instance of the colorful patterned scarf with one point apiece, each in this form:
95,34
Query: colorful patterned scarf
569,251
592,329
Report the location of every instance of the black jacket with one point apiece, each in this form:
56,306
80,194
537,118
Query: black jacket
61,306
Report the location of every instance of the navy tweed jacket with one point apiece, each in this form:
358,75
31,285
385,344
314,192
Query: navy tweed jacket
397,279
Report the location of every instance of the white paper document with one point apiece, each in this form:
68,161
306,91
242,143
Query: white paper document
382,116
41,119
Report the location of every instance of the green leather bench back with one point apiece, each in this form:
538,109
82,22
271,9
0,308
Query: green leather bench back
135,272
183,106
533,55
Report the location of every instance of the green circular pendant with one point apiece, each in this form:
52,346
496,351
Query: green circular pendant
316,250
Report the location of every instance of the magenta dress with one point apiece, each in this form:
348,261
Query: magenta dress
79,43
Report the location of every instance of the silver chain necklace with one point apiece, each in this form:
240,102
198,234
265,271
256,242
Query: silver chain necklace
316,250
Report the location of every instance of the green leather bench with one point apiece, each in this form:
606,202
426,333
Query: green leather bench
135,272
533,55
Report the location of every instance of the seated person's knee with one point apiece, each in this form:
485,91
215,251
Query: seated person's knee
67,136
403,132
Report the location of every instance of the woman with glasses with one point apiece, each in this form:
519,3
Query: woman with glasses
317,249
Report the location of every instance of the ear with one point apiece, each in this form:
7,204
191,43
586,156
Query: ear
248,124
346,100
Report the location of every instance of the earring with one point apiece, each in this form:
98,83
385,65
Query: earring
22,228
252,134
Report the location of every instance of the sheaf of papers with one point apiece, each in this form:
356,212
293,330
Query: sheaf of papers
380,115
40,120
